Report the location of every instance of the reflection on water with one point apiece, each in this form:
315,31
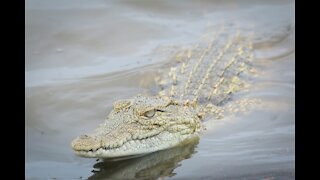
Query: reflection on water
152,166
81,57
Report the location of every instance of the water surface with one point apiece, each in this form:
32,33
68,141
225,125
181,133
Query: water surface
81,56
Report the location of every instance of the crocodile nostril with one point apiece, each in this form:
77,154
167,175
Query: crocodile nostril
84,136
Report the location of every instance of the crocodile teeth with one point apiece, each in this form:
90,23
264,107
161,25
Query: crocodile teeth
132,143
135,136
121,142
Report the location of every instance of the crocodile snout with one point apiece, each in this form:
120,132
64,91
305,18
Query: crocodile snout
86,143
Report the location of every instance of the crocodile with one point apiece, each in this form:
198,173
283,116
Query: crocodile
199,84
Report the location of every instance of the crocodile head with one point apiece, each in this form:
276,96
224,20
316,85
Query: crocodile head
140,125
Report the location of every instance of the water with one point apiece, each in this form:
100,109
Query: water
81,57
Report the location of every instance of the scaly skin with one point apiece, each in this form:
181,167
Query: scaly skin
202,82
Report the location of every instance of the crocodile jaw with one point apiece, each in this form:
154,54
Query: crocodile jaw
161,141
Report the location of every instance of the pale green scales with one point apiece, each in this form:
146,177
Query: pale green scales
201,82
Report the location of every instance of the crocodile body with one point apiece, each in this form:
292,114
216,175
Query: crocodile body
201,82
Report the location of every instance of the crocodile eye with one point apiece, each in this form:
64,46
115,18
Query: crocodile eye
150,113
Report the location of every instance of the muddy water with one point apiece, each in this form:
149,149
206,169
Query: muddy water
82,56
